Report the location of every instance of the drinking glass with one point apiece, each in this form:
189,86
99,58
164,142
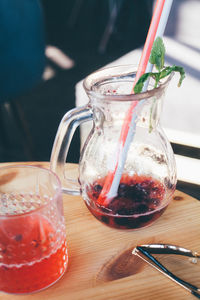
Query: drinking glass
149,175
33,249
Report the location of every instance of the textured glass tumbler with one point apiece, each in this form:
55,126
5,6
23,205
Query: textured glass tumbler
33,250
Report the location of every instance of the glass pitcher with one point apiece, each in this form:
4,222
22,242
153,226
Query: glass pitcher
149,177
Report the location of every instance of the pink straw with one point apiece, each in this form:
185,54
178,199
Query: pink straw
156,28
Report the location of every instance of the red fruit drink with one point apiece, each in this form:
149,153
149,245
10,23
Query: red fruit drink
32,254
139,202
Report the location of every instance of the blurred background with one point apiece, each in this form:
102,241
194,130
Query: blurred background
47,47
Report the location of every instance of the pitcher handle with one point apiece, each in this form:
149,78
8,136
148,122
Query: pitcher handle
71,120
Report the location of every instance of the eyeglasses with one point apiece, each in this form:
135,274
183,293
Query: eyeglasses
145,253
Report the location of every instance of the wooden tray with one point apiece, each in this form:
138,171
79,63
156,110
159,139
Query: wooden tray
101,265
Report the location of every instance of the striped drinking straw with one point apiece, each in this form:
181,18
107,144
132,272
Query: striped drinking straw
156,29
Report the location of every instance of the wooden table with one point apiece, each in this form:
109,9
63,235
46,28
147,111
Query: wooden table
101,265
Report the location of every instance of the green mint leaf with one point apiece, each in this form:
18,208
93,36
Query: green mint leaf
140,83
165,72
168,70
157,56
182,74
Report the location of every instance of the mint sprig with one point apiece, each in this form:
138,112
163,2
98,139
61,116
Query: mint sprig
157,56
157,59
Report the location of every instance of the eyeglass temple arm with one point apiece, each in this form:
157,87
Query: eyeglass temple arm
169,249
144,254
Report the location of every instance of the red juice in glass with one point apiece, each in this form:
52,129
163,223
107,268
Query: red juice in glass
33,249
139,202
30,259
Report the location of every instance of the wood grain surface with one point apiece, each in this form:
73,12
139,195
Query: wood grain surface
101,265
